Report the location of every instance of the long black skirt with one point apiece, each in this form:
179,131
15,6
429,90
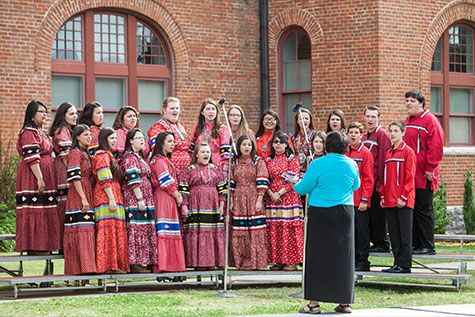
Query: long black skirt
330,255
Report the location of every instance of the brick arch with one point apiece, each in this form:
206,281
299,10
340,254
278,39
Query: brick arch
454,11
61,10
294,16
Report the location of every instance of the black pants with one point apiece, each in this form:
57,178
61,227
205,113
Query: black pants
377,223
361,238
400,233
423,232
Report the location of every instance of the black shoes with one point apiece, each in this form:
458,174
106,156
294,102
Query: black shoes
423,251
362,268
378,249
396,269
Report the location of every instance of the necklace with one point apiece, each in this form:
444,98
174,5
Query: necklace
177,131
206,134
207,183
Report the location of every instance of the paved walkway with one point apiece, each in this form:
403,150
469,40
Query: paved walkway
432,311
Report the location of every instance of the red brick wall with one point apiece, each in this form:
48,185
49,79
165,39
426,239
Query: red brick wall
364,52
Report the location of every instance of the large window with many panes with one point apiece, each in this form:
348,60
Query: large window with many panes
114,58
452,84
295,74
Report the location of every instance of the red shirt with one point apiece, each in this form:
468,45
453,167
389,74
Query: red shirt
425,136
399,172
378,143
364,159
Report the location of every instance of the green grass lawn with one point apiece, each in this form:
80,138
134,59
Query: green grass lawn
256,299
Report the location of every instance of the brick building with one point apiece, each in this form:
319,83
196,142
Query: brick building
331,54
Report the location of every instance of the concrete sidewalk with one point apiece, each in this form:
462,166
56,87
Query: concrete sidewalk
432,311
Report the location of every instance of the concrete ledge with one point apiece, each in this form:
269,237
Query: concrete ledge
459,150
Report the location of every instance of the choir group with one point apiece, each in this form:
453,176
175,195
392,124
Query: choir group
116,201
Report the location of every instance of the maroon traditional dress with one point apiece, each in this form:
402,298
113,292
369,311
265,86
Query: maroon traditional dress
111,231
61,146
202,187
171,255
37,221
220,146
119,149
79,237
181,153
248,181
140,224
94,139
285,218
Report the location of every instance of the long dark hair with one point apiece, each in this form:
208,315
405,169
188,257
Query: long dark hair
104,145
86,114
194,157
77,131
30,113
338,113
201,120
261,129
241,139
161,137
319,134
119,118
130,135
296,121
60,119
283,138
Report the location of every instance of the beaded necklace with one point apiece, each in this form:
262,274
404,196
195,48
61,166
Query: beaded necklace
207,183
177,131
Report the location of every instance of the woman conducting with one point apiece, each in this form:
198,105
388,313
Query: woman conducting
330,259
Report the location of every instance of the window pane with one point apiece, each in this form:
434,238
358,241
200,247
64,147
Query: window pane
305,75
460,130
290,76
151,95
110,92
290,100
109,118
436,99
304,48
461,101
149,48
289,48
68,42
437,58
66,88
459,47
147,120
106,38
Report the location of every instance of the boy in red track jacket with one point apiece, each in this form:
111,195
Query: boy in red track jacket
425,136
397,195
361,197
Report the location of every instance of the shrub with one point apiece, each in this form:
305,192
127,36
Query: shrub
468,202
440,208
7,226
8,169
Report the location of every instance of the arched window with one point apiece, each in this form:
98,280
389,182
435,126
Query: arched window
453,83
295,74
114,58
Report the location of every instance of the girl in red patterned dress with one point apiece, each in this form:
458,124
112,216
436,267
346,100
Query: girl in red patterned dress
269,125
126,119
210,131
111,231
138,202
249,181
79,236
61,130
283,208
171,255
170,122
37,220
203,188
92,115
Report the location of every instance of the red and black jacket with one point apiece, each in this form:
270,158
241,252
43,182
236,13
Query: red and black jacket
378,143
364,159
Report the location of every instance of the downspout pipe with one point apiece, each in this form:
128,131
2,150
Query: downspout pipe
264,43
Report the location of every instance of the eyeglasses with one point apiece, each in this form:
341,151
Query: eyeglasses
269,120
235,115
139,138
42,111
279,142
